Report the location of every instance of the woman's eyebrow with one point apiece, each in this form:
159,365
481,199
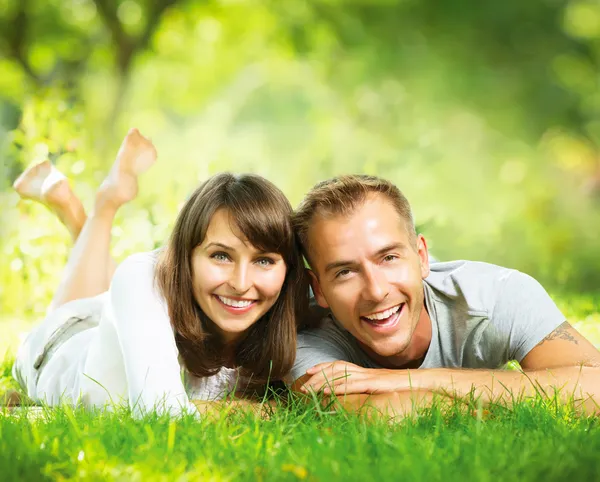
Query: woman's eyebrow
219,245
272,253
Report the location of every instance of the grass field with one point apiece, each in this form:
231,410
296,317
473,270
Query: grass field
529,442
537,440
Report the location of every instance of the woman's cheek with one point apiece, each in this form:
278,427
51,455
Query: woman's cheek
204,273
278,279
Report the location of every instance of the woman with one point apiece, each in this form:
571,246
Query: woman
222,301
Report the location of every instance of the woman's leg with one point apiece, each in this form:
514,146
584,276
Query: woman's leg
48,186
89,268
87,273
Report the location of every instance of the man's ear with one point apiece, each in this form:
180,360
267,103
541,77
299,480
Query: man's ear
316,287
423,253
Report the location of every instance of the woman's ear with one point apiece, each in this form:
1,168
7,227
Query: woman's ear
316,287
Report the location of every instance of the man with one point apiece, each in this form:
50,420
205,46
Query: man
391,312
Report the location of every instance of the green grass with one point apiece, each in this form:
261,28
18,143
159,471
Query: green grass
537,440
533,441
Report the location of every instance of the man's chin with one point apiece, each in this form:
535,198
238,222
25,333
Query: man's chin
385,348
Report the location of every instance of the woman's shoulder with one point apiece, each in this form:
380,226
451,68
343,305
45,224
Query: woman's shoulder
141,261
147,257
133,283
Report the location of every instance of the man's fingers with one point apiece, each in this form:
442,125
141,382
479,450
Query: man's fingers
350,388
339,379
319,382
331,376
327,366
318,368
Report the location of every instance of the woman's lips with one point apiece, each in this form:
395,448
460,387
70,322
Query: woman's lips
236,310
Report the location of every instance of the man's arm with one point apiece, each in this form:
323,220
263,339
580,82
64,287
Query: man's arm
564,364
391,404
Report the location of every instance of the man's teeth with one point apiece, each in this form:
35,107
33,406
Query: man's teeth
384,314
235,303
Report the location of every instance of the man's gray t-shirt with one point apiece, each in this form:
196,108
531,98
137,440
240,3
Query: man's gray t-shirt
482,316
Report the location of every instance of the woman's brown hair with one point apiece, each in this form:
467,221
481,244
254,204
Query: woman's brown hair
262,214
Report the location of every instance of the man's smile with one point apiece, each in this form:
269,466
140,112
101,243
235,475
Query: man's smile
385,320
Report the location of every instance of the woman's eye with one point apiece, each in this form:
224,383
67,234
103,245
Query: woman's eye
220,256
264,262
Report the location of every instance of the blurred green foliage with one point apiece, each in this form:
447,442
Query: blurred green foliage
487,115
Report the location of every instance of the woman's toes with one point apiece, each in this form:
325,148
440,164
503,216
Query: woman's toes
136,154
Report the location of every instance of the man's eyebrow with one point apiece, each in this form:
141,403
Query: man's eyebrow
391,247
385,249
338,264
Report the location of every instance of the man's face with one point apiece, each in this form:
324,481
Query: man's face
369,272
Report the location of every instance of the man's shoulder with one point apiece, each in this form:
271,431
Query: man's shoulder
451,275
463,269
326,329
476,283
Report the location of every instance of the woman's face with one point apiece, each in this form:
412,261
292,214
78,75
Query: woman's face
235,284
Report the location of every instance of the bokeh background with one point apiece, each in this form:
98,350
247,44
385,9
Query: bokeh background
486,114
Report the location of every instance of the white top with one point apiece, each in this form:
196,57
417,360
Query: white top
131,355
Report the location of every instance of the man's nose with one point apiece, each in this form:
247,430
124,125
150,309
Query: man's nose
240,281
376,285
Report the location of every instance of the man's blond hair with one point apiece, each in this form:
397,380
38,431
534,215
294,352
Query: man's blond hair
342,195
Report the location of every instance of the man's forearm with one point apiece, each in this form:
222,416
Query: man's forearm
395,404
578,384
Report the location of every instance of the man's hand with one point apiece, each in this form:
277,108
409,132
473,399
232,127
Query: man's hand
343,378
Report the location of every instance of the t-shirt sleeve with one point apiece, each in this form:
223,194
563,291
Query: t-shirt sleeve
146,338
321,345
525,313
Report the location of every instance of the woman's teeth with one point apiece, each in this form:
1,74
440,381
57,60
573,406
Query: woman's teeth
384,315
235,303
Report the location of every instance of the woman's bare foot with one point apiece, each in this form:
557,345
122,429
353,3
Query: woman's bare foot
136,155
47,185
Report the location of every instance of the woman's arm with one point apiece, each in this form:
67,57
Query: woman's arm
146,338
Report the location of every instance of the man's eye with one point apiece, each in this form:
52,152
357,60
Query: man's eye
219,256
390,257
265,262
342,273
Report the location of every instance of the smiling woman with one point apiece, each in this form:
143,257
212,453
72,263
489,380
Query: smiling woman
231,252
220,304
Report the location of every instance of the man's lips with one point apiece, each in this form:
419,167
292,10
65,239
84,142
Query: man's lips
384,320
383,314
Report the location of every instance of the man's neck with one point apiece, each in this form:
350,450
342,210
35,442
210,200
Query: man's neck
414,354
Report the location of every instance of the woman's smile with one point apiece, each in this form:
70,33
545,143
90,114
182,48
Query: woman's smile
236,306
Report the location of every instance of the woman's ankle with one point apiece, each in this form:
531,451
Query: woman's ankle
104,208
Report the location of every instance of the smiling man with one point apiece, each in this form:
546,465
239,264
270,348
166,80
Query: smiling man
390,312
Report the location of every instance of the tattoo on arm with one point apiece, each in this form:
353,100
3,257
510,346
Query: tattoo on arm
561,333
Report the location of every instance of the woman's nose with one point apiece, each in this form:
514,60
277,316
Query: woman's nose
240,281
